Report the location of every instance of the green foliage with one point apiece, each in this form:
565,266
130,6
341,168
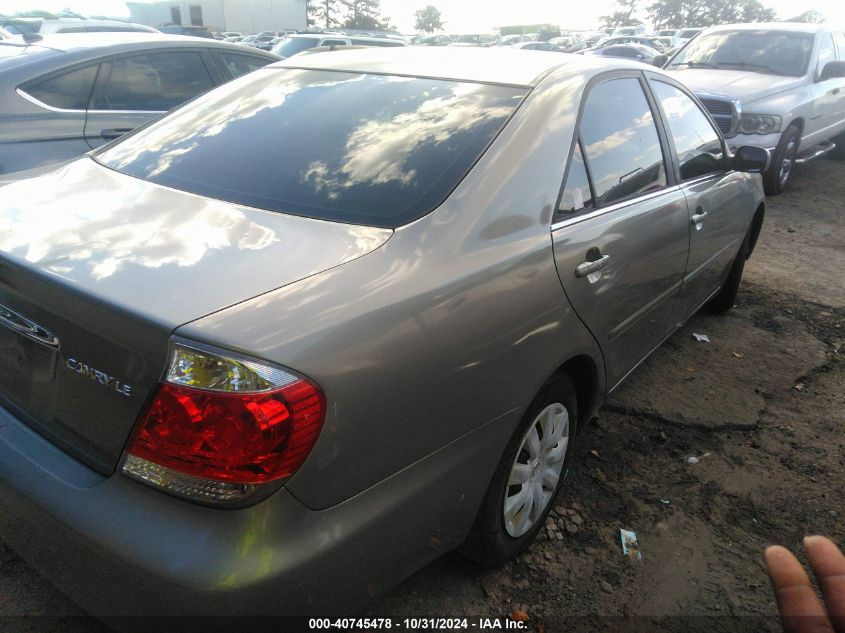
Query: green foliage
364,15
429,19
809,17
623,16
702,13
323,14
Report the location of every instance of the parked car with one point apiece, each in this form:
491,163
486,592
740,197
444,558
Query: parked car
175,344
262,42
538,46
644,40
227,34
780,86
181,29
233,39
637,29
295,44
685,35
475,39
66,94
636,52
432,40
568,43
44,26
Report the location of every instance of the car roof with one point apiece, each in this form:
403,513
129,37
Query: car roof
497,65
63,49
798,27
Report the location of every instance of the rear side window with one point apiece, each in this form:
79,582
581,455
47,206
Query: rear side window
154,82
366,149
237,64
68,91
577,195
697,144
620,142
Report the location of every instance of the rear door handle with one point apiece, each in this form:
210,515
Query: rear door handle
113,133
586,269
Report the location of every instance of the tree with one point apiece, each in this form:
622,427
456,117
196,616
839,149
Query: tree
809,17
676,14
429,19
623,16
363,14
323,14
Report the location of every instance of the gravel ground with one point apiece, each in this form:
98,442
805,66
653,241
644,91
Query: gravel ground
762,407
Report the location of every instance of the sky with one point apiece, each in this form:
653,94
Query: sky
466,15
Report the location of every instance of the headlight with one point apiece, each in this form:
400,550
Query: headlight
759,124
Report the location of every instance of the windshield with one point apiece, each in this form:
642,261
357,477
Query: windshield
688,33
290,46
366,149
769,52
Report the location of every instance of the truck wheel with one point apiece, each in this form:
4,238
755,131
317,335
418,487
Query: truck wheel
528,478
783,161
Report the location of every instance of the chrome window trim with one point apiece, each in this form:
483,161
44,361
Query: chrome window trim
613,207
41,104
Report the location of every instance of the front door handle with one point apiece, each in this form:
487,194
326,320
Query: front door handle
698,217
114,133
585,269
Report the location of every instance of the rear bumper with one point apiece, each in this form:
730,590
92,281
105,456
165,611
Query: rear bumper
119,548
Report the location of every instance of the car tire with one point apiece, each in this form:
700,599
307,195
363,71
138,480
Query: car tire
494,539
725,299
780,171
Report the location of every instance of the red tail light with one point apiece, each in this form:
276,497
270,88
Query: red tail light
220,425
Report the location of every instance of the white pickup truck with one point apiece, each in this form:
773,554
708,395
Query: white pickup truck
780,86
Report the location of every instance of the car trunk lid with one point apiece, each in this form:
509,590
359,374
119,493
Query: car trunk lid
109,265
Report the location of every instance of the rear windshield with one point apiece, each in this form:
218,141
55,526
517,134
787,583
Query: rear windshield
290,46
366,149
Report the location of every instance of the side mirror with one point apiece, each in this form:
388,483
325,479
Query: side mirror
832,70
751,159
660,60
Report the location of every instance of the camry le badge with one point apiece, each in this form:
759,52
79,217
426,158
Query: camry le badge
100,377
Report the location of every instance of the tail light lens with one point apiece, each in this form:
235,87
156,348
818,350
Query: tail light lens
219,426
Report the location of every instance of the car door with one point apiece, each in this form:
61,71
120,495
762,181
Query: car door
829,95
621,234
717,218
133,89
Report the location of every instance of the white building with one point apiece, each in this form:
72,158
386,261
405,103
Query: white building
245,16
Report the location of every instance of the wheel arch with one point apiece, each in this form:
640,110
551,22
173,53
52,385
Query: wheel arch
756,227
584,374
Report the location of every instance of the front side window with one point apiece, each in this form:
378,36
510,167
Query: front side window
366,149
620,142
155,82
827,53
697,144
68,91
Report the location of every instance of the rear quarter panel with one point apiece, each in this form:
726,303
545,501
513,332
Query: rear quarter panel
456,321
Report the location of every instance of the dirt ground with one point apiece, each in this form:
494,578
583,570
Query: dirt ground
762,408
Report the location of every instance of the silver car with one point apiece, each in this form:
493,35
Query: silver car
282,381
66,94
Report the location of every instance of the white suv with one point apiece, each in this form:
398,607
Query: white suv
780,86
